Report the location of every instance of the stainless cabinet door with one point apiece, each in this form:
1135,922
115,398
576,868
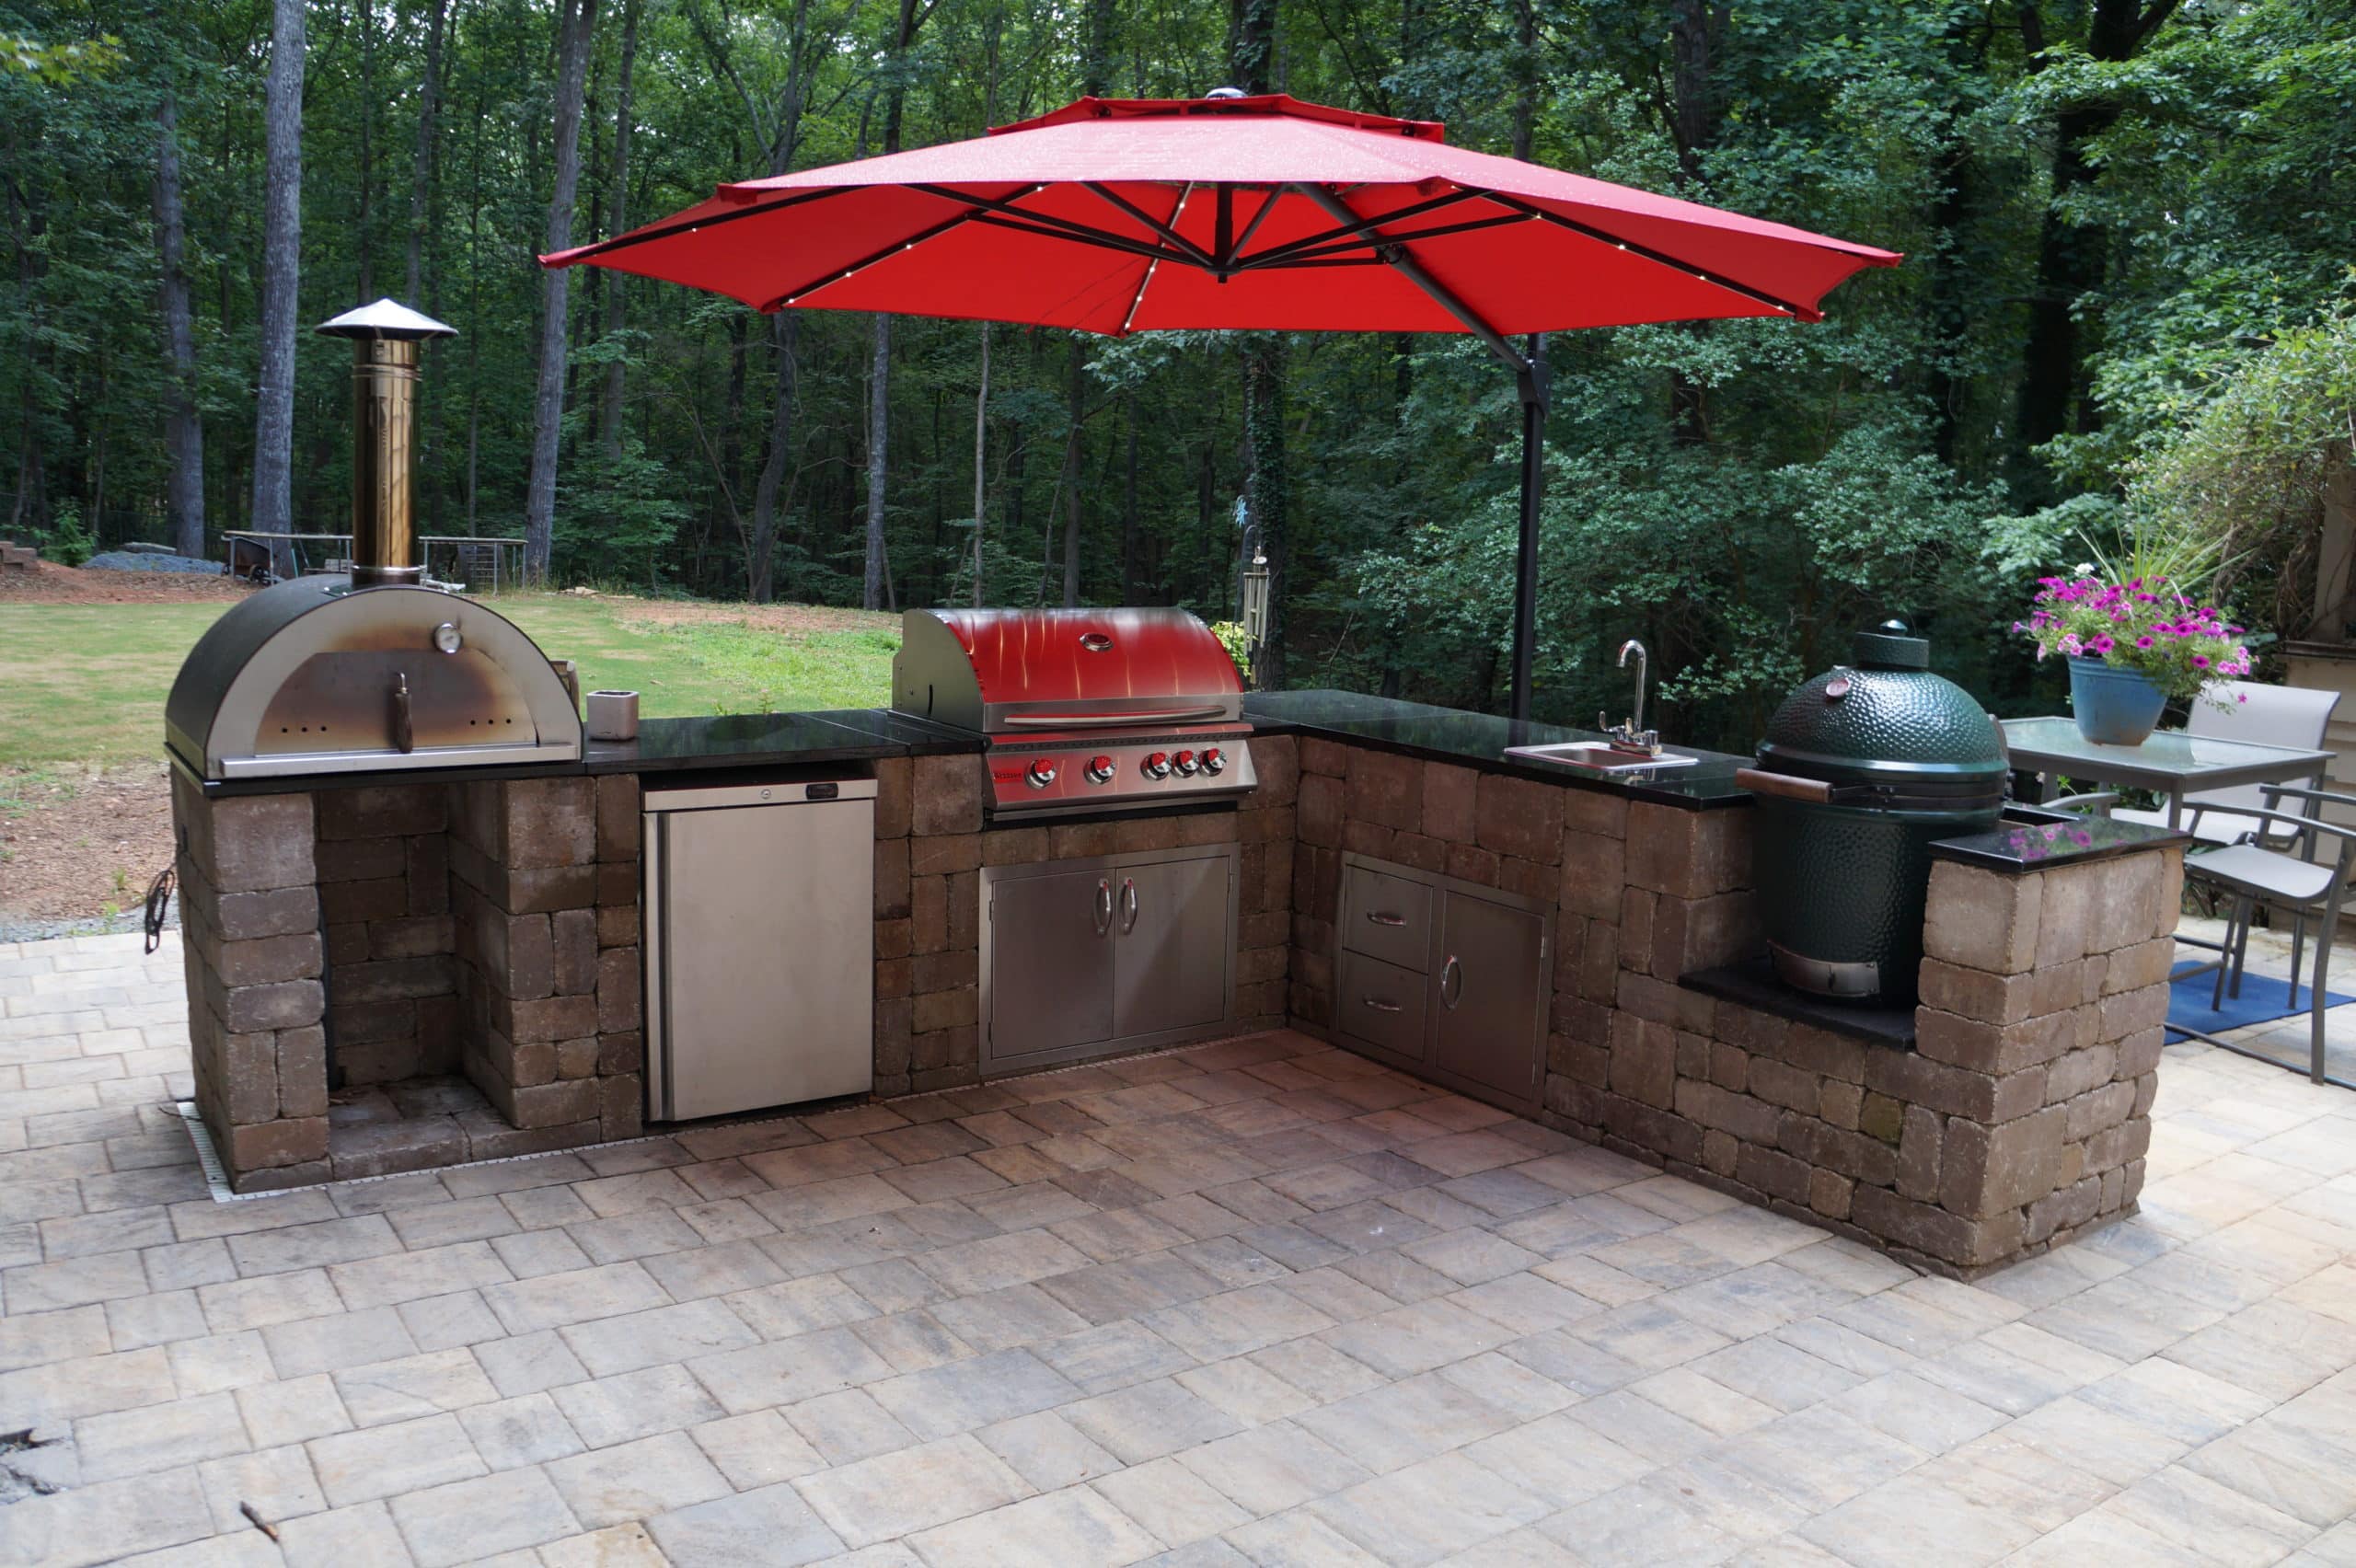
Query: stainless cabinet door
1489,990
1051,962
1173,948
764,940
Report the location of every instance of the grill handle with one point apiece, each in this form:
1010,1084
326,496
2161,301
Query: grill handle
1384,917
1786,786
1106,721
1103,906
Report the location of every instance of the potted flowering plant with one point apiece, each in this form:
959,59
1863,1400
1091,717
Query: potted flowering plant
2133,645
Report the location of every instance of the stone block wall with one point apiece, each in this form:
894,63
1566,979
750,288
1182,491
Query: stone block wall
1641,893
544,877
249,919
384,889
930,848
2019,1119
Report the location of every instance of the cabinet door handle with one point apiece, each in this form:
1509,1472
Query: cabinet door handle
1103,906
1379,1005
1129,905
1451,972
1384,917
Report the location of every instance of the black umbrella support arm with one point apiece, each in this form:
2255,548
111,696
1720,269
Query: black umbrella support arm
1532,378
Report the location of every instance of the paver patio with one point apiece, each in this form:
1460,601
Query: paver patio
1257,1301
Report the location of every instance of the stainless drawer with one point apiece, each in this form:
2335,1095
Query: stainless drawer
1382,1004
1388,917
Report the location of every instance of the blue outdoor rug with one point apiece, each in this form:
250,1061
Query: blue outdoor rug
2263,998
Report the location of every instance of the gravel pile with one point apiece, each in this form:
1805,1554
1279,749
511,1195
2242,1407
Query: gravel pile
125,561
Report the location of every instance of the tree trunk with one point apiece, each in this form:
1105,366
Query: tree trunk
1525,77
575,21
367,228
609,412
2072,256
1096,58
879,407
981,453
1694,26
1131,540
429,105
760,587
879,399
1252,51
183,432
280,272
759,575
1075,403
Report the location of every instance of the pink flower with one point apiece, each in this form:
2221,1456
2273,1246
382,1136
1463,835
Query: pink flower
2104,643
2201,661
2142,642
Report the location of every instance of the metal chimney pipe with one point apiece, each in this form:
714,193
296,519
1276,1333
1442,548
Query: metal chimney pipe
384,352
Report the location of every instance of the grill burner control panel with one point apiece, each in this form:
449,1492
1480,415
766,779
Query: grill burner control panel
1069,773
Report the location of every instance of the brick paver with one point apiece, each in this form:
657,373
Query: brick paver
1251,1302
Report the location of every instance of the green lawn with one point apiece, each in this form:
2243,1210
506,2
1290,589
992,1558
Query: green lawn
86,683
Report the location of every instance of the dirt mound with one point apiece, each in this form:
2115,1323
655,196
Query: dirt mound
84,839
50,584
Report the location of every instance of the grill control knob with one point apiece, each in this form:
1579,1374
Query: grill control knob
1214,760
1040,774
1185,763
1100,770
1157,766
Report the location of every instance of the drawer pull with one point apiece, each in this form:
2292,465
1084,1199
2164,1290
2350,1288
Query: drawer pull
1384,917
1451,975
1379,1005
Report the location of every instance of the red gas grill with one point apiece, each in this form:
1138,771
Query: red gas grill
1082,710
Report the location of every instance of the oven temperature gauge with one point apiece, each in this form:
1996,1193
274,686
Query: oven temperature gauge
1100,770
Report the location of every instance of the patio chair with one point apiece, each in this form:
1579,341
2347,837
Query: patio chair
2298,883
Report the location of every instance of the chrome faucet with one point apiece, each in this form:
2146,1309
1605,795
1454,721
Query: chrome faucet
1630,735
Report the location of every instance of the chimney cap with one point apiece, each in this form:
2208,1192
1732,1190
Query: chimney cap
385,318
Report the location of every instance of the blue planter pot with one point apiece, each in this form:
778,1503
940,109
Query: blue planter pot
2114,706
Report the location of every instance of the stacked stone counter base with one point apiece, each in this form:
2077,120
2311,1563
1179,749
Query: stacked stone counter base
411,933
930,847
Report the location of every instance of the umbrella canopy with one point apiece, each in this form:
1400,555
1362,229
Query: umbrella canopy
1130,215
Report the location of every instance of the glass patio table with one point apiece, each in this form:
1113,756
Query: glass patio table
2172,762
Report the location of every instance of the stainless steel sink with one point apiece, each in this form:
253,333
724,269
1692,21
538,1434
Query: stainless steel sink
1599,757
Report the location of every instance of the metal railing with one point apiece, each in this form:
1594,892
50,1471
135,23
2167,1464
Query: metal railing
467,556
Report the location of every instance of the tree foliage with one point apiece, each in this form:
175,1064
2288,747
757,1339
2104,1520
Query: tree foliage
1742,495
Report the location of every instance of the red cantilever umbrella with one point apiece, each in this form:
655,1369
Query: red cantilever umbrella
1130,215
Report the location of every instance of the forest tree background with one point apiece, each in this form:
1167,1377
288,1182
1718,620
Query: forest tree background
2107,207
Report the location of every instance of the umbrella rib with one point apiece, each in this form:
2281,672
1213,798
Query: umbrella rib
1804,313
1168,233
1274,255
1298,258
666,231
793,297
1097,237
1407,266
1005,213
1154,266
1268,205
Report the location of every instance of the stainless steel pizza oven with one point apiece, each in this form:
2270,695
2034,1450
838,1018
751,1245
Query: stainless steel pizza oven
1083,710
371,672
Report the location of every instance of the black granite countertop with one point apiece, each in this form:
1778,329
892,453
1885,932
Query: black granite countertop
765,739
1480,740
2029,839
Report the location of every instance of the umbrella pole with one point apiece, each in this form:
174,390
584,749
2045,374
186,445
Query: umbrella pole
1534,376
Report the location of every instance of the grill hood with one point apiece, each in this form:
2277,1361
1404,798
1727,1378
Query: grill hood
998,670
1083,710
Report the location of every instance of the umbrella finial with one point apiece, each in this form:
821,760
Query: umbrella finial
1224,93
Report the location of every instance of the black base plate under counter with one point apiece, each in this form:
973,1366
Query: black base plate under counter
1754,984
